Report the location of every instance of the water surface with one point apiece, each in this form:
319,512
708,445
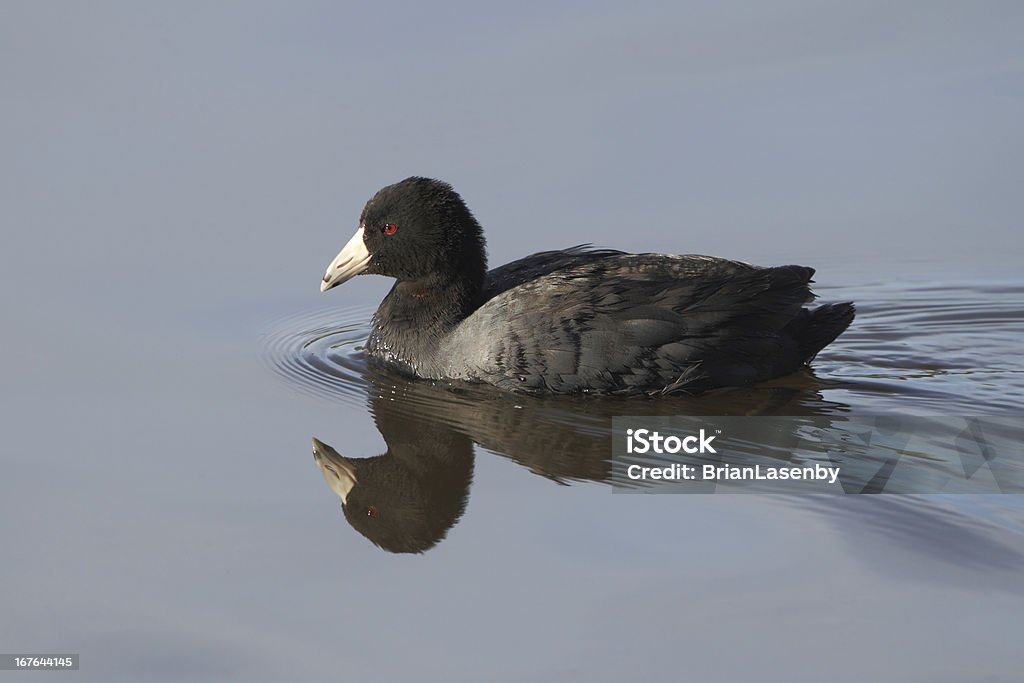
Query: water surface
869,570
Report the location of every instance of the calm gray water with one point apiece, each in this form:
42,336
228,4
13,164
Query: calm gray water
176,178
164,516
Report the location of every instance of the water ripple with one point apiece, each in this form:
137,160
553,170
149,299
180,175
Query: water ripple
320,352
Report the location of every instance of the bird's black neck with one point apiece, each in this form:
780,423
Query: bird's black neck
416,314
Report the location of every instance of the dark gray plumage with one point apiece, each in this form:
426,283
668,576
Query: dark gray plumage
579,320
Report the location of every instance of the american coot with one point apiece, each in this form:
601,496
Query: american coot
580,320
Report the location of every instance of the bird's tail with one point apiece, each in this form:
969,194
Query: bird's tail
820,326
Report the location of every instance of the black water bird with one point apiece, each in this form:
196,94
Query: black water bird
579,320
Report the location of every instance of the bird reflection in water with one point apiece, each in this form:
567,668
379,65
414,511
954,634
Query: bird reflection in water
407,499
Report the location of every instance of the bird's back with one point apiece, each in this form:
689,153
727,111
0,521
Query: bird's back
603,321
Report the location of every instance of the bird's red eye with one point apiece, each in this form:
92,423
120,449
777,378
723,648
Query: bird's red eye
372,511
390,229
